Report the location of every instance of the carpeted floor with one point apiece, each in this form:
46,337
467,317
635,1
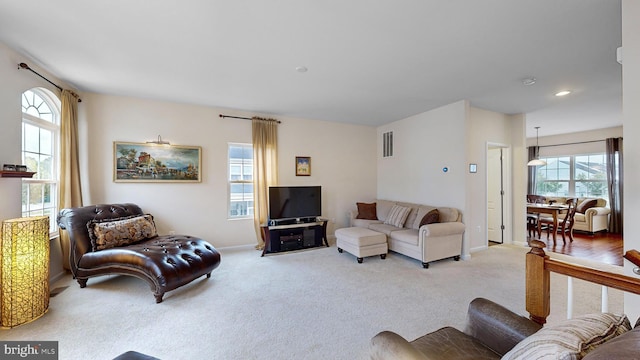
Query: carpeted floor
312,304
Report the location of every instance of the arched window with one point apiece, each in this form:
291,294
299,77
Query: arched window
40,153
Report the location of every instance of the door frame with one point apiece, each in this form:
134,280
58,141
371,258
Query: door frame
507,200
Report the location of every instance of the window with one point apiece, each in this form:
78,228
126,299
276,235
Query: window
240,181
40,152
578,175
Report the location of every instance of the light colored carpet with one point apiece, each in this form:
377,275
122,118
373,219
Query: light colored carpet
312,304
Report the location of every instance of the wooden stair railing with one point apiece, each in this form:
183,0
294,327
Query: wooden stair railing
634,257
538,286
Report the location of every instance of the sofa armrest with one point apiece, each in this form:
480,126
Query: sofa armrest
352,216
442,229
497,327
597,211
388,345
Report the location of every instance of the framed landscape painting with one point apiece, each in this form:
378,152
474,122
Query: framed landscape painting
147,162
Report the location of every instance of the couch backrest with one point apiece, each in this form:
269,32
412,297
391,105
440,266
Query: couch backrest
601,202
447,214
74,222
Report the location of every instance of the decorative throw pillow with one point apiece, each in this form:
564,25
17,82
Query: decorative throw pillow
367,211
431,217
586,204
397,216
110,233
570,339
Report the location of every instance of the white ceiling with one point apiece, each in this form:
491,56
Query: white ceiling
369,61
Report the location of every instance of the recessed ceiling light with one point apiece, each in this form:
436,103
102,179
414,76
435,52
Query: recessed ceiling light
563,93
301,69
528,81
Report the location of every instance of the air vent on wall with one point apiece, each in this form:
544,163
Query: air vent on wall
387,144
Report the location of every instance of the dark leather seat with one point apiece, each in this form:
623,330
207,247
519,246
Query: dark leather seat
491,331
166,262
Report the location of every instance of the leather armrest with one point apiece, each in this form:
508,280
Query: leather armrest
497,327
388,345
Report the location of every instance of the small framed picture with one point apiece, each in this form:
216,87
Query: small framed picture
303,166
473,168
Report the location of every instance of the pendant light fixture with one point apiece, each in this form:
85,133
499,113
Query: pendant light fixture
536,160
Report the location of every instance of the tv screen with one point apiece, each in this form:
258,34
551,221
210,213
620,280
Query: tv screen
293,202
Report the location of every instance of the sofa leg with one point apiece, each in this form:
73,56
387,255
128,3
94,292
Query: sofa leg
359,260
82,282
383,256
425,265
456,258
208,275
158,298
340,250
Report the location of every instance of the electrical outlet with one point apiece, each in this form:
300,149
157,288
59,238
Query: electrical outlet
478,228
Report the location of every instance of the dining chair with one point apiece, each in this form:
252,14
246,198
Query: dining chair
532,218
565,226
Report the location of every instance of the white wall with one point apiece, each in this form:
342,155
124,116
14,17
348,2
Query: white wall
487,128
453,136
342,161
631,147
423,145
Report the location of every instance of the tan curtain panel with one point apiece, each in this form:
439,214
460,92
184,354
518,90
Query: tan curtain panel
69,192
265,170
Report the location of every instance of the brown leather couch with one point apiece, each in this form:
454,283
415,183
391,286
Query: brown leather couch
166,262
491,331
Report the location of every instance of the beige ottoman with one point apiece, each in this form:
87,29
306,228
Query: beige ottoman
361,242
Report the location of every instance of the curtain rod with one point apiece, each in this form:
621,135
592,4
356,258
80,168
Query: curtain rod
25,66
246,118
574,143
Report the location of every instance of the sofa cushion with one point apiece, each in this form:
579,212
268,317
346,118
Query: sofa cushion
413,213
579,217
431,217
397,216
110,233
586,204
408,236
383,228
364,223
383,207
448,214
570,339
625,346
366,211
421,212
450,343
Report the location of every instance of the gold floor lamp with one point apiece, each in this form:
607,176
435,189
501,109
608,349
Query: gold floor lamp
24,270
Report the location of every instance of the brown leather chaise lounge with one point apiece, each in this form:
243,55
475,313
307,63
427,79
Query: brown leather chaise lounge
166,262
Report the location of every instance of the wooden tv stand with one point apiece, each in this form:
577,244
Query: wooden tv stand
279,238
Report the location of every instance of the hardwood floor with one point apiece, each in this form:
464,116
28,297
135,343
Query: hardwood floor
602,246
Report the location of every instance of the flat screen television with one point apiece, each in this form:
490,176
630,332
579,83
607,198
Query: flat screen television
294,202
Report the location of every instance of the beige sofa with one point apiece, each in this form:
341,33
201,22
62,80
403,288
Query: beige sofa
426,243
593,219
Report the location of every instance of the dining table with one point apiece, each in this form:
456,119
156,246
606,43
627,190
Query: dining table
553,209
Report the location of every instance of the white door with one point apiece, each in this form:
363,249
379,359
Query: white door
494,195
